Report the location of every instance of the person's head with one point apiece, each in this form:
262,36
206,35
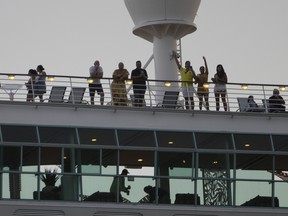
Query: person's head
124,172
138,64
40,68
120,65
96,63
32,72
251,98
148,189
202,69
276,92
220,68
188,65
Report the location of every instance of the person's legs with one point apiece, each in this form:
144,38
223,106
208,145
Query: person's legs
217,101
100,92
92,93
223,97
206,98
200,96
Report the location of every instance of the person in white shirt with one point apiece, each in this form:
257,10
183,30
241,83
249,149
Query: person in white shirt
96,73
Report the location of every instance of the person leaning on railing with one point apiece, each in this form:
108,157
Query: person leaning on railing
30,85
118,87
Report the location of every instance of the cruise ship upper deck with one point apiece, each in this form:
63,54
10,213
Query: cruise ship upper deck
209,162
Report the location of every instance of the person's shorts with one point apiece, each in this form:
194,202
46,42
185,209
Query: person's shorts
220,88
95,87
188,91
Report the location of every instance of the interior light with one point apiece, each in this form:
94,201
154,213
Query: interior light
11,77
167,84
183,161
50,78
89,80
282,88
247,145
65,157
170,143
244,87
215,162
206,85
128,82
140,160
93,139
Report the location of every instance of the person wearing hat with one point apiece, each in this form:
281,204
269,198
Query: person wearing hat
122,187
276,102
40,83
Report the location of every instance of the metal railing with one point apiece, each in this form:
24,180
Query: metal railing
13,89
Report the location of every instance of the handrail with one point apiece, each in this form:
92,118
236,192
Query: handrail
154,94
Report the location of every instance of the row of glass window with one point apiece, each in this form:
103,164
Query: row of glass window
143,138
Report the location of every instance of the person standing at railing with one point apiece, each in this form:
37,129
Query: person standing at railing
30,85
139,77
220,79
276,102
201,79
118,86
187,76
96,73
40,83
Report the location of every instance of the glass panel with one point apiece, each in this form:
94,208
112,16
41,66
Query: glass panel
175,164
50,156
137,159
214,141
136,138
252,142
90,136
281,191
254,166
58,135
28,186
250,193
19,134
109,161
281,164
182,191
11,157
170,139
30,157
220,164
280,142
88,161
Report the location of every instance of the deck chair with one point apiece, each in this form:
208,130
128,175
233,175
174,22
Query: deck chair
57,94
76,95
170,100
243,104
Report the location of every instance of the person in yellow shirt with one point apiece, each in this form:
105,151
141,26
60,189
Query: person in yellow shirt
187,76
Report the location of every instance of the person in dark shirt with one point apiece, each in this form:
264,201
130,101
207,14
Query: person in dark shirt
162,194
139,77
276,102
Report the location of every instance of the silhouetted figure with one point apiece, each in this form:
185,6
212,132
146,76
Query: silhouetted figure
162,194
122,187
276,102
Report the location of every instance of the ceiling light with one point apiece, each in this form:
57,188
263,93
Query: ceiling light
244,87
11,77
170,143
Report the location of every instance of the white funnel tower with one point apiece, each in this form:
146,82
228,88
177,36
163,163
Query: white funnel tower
162,22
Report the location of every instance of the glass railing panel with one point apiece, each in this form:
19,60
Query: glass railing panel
97,137
254,166
182,191
252,142
172,139
136,138
214,141
25,134
253,193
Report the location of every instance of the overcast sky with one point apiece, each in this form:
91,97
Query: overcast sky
249,37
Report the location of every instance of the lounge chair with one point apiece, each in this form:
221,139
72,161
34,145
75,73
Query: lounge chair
57,94
76,95
170,100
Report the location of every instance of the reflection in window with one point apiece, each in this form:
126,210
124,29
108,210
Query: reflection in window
26,134
213,141
89,136
58,135
252,142
136,138
170,139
